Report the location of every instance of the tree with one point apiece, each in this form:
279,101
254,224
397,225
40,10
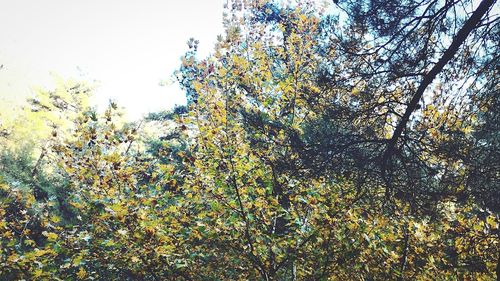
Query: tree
410,58
278,166
280,107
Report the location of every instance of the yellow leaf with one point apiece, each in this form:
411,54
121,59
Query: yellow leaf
30,242
478,226
490,220
258,204
37,273
77,261
55,219
260,191
51,236
81,273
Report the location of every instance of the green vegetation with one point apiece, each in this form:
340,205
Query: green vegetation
358,142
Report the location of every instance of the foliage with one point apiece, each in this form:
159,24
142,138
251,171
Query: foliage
285,164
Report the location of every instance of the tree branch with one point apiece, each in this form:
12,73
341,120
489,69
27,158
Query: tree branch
459,39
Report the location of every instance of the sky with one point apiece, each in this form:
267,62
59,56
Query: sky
128,46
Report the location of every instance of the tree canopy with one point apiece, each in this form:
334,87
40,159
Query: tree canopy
353,140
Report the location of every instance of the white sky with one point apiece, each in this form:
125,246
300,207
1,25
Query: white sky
129,46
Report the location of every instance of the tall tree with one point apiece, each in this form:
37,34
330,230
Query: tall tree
420,72
281,108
